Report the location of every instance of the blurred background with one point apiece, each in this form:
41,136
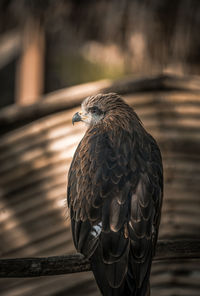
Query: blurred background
52,55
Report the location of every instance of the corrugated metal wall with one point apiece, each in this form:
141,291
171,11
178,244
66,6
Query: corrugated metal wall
33,175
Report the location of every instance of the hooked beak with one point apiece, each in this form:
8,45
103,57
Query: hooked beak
76,117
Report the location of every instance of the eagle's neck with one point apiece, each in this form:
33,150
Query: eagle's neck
123,119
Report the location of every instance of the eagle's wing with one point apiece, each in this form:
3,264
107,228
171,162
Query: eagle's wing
114,196
145,211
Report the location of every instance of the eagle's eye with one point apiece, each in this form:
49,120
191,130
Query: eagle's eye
95,110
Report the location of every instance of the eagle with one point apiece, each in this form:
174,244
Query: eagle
114,195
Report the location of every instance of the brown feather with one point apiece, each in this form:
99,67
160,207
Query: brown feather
115,187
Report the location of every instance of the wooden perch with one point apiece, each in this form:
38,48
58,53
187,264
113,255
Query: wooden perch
34,267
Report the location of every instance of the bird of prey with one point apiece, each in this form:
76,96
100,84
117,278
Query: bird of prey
115,188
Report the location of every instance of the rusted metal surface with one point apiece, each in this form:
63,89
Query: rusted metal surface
33,174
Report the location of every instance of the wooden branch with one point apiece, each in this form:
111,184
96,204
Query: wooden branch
177,249
34,267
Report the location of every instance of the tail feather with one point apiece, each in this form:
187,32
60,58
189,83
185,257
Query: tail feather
128,286
99,271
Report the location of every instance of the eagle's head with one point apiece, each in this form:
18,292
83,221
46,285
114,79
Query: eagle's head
99,107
